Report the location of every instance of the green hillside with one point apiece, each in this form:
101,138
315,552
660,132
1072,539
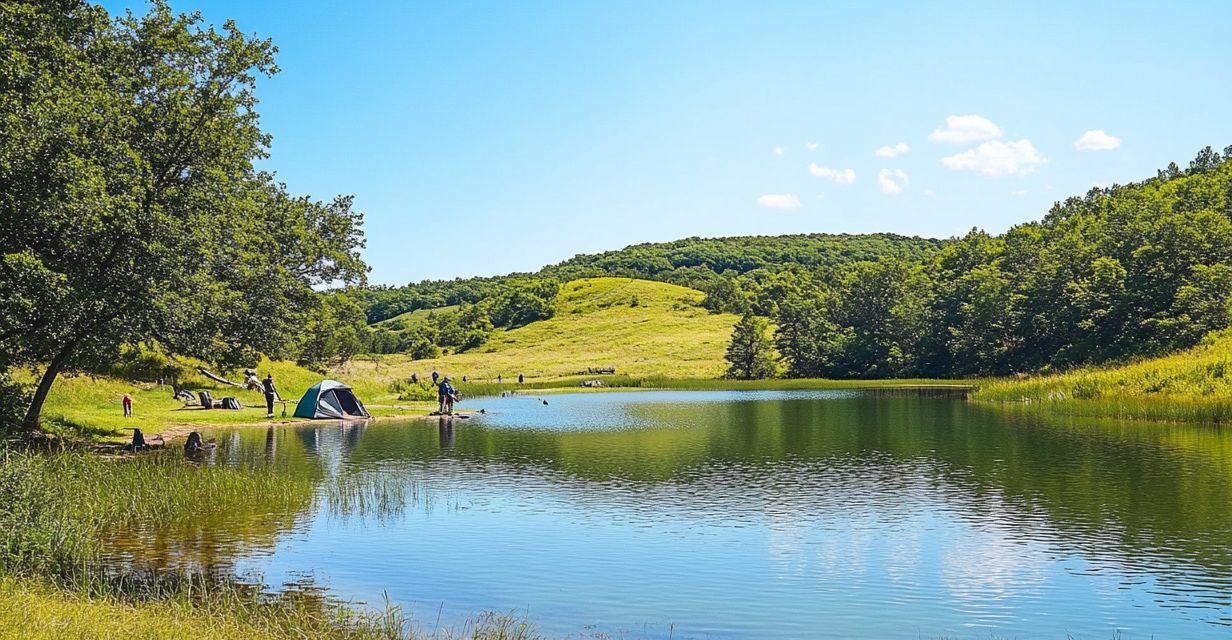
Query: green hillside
640,327
413,319
692,262
1192,386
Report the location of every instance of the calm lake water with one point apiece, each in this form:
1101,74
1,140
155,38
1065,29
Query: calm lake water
753,515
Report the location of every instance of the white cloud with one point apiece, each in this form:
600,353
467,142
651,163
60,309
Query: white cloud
928,193
892,181
779,201
1018,194
1097,140
960,129
821,196
778,151
998,158
812,146
840,176
888,151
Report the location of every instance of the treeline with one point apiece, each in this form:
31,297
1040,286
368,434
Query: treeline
508,304
1125,271
698,263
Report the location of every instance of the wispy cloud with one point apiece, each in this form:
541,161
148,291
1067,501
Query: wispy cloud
969,128
779,201
888,151
1097,140
996,158
838,176
928,193
778,151
892,181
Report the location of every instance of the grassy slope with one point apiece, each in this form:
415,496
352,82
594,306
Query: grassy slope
1194,386
412,319
31,610
664,335
91,405
597,324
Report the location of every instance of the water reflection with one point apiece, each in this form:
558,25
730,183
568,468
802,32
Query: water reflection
738,514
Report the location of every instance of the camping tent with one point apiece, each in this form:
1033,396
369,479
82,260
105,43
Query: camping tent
330,399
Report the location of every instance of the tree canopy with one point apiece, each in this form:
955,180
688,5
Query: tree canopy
130,206
1122,272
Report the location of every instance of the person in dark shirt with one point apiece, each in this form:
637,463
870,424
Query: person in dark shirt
446,394
271,394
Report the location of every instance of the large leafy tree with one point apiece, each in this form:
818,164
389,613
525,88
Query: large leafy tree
130,206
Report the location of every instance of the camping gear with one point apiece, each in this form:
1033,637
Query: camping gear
219,379
231,402
330,399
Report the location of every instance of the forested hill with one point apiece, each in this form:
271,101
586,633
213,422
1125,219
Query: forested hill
1123,272
696,262
693,262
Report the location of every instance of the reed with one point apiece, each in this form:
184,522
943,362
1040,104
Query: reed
1191,386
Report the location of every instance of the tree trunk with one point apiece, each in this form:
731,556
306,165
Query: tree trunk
31,421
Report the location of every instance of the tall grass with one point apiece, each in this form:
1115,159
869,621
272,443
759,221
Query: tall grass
59,505
1191,386
54,582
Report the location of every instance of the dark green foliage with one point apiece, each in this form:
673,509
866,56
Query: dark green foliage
749,355
724,295
1130,271
334,332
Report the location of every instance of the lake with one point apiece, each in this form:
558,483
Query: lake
737,514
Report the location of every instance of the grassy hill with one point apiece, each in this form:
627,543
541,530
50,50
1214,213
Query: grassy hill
413,319
642,328
1192,386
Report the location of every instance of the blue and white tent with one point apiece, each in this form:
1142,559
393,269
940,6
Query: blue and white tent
330,399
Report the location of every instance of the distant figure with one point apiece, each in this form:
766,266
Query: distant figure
445,396
414,378
463,378
271,394
193,446
521,378
499,379
128,406
435,376
545,403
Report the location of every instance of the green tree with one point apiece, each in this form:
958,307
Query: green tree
130,206
334,332
749,355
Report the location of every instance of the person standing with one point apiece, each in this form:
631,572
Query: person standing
499,378
435,376
271,394
445,396
521,378
127,401
414,378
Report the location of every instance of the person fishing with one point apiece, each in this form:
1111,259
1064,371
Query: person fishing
271,394
446,395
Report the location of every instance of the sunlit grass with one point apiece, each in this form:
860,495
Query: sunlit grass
1191,386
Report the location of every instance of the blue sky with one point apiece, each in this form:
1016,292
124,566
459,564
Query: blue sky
484,138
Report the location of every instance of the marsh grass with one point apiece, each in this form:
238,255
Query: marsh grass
1191,386
55,582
